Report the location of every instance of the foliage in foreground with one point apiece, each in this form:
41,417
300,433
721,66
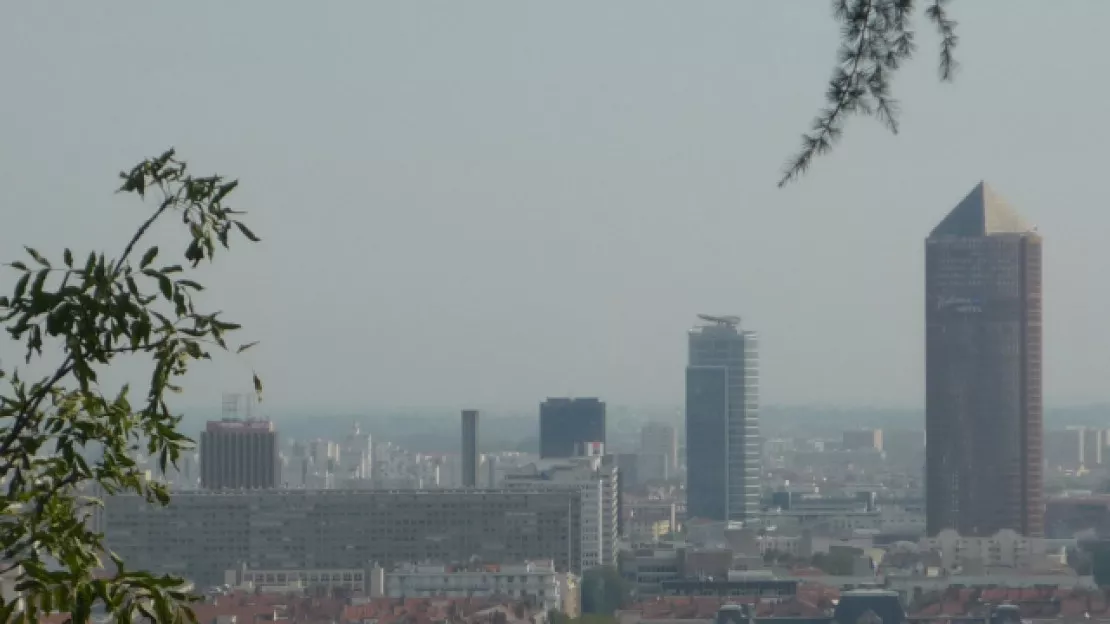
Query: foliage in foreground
66,440
876,37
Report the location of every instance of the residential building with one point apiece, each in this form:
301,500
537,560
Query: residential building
201,535
567,425
597,482
983,370
536,581
1006,548
239,454
723,446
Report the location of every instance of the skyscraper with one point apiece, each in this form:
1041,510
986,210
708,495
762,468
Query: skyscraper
470,448
568,424
983,398
723,455
239,454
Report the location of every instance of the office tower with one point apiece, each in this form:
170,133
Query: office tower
862,440
983,399
470,448
201,535
723,454
567,424
239,454
660,439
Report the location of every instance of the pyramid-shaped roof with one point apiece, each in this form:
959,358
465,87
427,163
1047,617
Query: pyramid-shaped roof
981,213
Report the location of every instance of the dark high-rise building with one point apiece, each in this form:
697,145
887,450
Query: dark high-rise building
723,454
569,424
983,398
239,454
470,448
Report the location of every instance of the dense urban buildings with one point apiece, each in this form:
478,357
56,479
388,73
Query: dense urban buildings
566,425
239,454
201,535
983,397
723,446
470,448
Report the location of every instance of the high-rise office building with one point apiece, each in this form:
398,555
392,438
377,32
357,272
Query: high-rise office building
470,448
239,454
723,455
567,425
983,403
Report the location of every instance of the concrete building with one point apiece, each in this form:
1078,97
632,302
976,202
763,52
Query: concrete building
1091,447
723,446
470,448
355,459
597,482
239,454
660,439
568,424
201,535
536,580
1007,549
862,440
983,370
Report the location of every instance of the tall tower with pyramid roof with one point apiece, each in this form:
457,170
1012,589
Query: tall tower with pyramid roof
983,379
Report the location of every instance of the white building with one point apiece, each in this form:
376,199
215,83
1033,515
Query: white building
536,581
356,457
598,480
1006,548
532,580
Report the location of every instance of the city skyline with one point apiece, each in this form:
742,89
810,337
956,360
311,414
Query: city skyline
494,194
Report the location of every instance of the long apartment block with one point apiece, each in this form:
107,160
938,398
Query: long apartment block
200,535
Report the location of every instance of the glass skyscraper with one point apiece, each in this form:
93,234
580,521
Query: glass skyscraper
983,345
723,446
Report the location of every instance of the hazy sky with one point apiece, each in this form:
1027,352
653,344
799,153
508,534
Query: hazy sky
492,202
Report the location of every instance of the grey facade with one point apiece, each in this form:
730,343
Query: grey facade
470,448
983,401
239,454
200,535
567,424
723,454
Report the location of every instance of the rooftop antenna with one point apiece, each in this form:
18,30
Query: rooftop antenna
721,321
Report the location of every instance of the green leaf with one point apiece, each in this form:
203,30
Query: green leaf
18,265
224,190
67,257
243,348
40,280
166,286
247,232
38,257
21,286
148,257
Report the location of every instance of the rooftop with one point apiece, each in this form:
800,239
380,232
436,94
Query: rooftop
982,213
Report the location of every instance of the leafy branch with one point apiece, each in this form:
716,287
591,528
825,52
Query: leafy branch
876,38
65,443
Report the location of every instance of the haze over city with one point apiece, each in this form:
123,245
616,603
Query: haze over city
491,203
